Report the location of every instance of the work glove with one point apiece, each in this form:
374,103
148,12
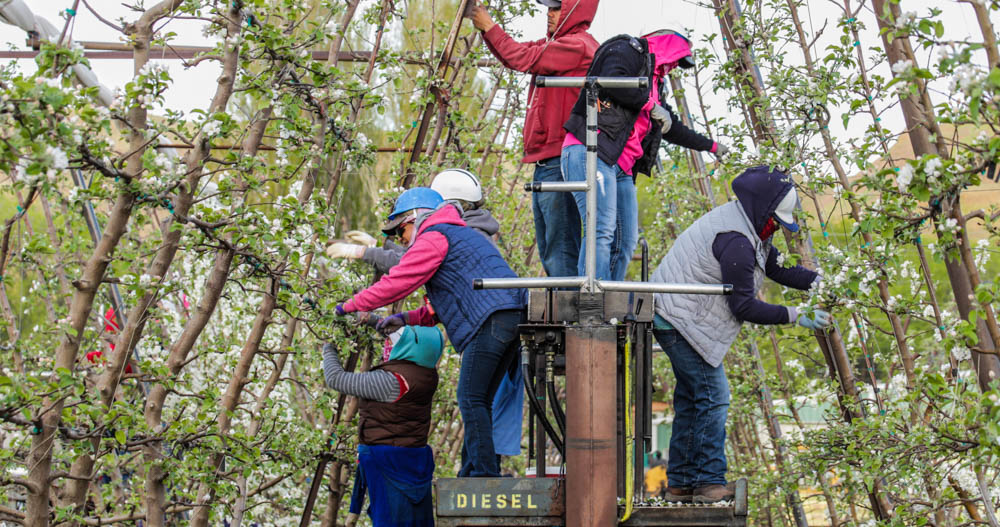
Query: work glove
819,320
392,323
362,238
662,116
345,250
340,310
721,150
367,318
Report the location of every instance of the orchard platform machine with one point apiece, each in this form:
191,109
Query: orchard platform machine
596,333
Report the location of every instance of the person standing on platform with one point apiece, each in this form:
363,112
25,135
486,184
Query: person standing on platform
729,245
565,51
631,123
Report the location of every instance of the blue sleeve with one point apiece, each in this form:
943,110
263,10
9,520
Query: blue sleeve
797,277
736,258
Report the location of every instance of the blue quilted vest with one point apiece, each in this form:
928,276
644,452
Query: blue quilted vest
460,308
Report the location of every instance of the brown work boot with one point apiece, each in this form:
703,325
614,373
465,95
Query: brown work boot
713,494
677,495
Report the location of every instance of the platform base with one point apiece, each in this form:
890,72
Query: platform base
733,514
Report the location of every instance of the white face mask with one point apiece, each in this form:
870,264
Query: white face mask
786,208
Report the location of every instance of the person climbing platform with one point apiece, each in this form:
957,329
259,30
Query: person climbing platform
730,244
395,464
566,50
631,123
445,255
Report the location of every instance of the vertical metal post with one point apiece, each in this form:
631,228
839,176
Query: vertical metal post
591,456
95,235
590,258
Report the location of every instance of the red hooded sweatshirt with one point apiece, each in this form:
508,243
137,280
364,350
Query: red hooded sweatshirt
566,53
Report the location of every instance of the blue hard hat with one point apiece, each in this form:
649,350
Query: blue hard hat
416,198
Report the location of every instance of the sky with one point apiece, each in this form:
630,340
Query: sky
613,17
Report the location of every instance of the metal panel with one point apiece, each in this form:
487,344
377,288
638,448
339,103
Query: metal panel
691,516
487,521
591,458
500,497
563,306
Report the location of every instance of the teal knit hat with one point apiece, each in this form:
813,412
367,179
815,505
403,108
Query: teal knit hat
420,345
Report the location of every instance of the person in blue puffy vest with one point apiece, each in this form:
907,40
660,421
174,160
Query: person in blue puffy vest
445,255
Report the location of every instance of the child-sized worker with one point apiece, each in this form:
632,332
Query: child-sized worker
395,464
445,255
731,244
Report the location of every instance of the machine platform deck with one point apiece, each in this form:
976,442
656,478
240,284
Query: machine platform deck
473,502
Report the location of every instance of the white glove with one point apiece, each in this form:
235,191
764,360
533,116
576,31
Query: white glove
721,150
662,116
345,250
362,238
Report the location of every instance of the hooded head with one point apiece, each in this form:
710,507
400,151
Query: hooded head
670,48
761,192
417,344
575,16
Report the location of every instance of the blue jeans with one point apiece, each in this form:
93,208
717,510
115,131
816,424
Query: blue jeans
574,168
626,227
557,223
701,403
485,361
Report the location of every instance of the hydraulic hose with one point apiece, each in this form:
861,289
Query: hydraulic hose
539,409
557,410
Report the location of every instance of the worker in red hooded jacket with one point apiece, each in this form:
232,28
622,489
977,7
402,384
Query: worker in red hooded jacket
566,50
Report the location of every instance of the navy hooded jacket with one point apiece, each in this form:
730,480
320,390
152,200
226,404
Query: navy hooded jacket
759,190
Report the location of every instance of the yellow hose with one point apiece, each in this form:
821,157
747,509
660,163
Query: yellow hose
629,433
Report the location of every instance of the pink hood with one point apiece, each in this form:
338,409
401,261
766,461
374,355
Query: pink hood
668,49
447,214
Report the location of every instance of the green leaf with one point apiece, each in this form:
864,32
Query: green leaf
120,437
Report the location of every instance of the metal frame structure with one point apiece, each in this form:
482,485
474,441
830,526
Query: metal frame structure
584,328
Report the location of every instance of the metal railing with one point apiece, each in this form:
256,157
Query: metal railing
589,282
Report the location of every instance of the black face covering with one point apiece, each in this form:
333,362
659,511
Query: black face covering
686,62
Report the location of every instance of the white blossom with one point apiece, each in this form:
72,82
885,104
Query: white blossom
904,177
57,157
905,19
902,66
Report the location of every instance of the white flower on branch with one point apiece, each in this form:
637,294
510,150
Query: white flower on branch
905,19
902,67
966,78
57,157
904,177
211,128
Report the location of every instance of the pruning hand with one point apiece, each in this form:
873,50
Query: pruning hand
392,323
819,320
480,17
721,150
662,116
345,250
361,238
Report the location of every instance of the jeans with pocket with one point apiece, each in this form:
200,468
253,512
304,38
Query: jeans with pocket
485,361
557,222
701,404
574,168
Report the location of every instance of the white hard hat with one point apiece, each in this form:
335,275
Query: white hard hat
457,183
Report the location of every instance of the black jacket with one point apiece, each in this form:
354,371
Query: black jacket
627,56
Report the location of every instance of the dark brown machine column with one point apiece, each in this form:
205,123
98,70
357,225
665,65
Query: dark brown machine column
591,456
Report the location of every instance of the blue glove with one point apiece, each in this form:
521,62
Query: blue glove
819,320
391,323
340,310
